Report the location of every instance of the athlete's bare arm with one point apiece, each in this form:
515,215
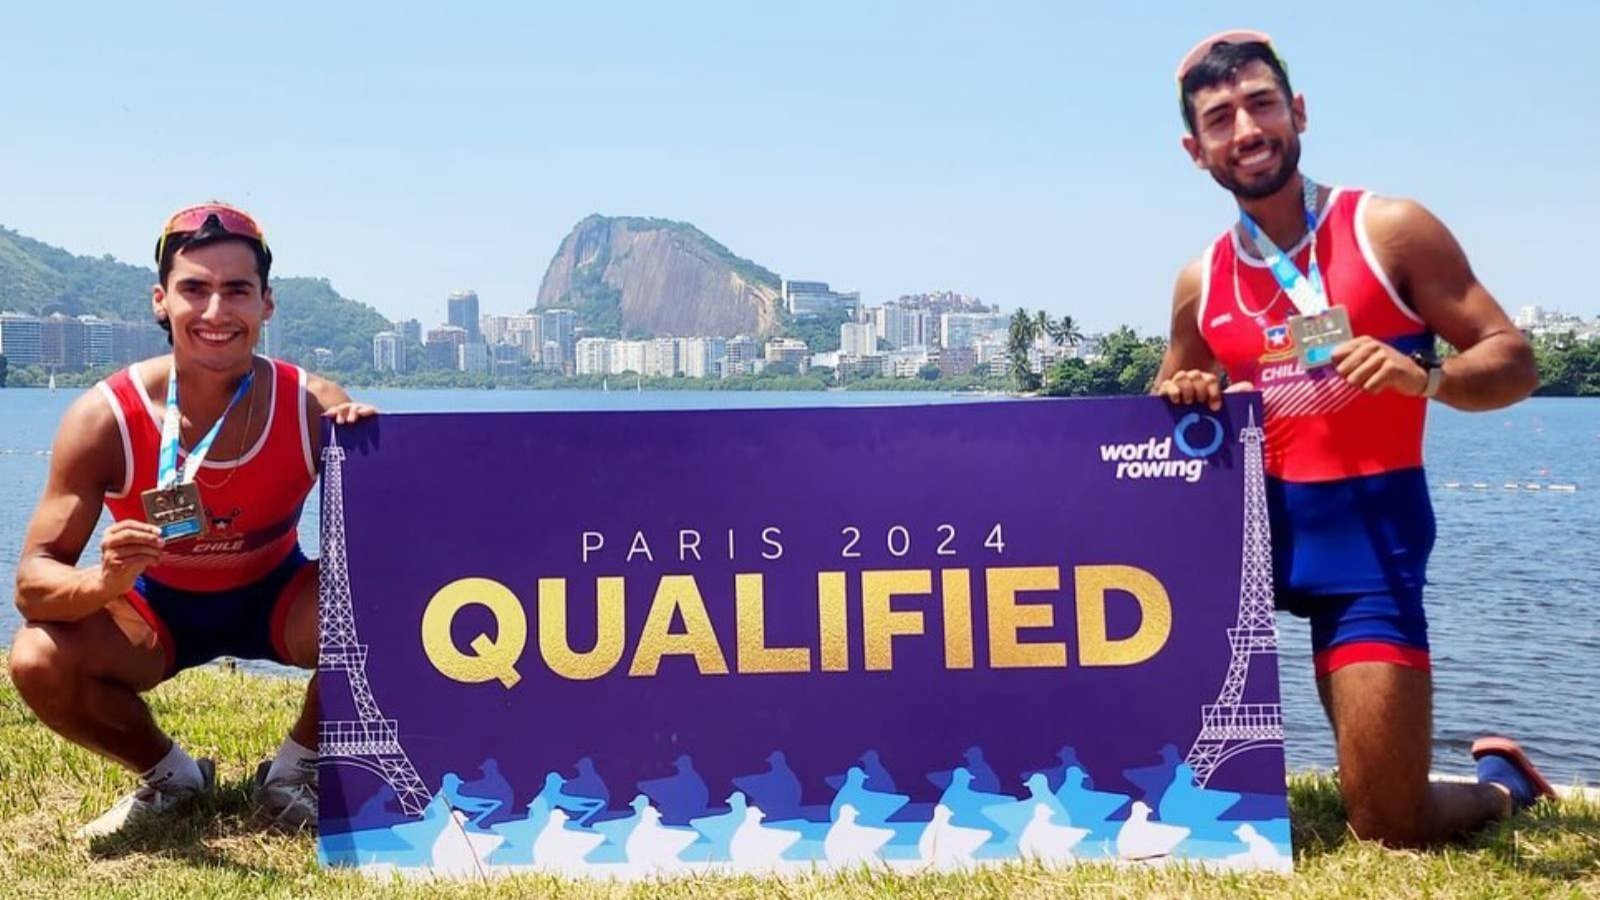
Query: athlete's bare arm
1430,272
86,461
1188,371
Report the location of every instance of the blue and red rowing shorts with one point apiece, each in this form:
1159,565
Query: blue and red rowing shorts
1351,556
195,627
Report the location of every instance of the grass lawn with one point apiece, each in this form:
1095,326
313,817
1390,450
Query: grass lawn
48,788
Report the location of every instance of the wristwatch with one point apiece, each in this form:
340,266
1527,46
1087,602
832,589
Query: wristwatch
1435,369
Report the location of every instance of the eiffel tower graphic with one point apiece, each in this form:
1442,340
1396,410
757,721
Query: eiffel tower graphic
370,742
1229,726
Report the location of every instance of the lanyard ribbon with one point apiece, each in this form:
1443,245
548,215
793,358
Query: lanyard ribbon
168,473
1305,291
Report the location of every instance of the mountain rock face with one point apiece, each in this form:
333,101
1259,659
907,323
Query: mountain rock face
637,277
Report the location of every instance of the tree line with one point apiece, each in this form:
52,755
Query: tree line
1127,363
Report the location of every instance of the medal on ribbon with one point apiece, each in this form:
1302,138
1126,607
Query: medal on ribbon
1318,327
173,505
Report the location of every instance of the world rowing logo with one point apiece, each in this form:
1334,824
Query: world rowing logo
1196,437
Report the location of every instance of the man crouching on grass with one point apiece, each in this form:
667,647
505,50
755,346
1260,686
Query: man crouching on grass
203,559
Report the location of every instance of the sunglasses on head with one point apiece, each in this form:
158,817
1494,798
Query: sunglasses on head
216,216
1235,36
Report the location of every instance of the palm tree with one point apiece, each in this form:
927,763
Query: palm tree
1067,332
1019,340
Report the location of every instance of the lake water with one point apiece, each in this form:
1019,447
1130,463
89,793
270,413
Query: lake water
1515,575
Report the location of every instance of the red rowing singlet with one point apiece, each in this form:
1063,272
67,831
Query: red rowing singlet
252,504
1319,427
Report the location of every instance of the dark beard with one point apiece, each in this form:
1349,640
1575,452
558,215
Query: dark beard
1290,151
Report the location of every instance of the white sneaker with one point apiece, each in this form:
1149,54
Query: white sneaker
147,802
290,802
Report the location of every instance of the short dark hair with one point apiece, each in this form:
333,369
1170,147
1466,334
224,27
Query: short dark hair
203,238
1221,65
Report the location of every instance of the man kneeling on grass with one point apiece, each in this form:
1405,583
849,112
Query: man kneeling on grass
203,559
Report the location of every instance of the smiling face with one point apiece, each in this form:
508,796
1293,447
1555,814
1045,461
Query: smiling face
215,303
1247,132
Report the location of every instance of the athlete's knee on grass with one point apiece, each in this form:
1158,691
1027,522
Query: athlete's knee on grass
46,666
1395,818
1382,722
1384,782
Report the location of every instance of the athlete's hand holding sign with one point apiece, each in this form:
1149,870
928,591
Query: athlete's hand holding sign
1198,386
350,412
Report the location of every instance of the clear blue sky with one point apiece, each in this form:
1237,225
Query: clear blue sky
1023,152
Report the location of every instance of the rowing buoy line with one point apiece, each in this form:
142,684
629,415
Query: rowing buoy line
1557,487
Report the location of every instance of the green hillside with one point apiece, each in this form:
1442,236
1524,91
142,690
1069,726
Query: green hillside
40,279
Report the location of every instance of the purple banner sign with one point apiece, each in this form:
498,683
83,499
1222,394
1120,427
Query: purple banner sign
620,644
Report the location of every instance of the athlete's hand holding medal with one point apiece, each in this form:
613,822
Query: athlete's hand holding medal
1374,366
127,549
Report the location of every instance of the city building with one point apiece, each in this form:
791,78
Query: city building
903,327
826,360
388,352
71,344
64,343
593,356
463,313
441,349
858,339
1044,354
473,359
788,352
740,358
21,339
321,359
558,325
991,351
506,359
700,356
628,356
964,329
1536,321
550,357
525,331
957,361
97,341
493,328
809,298
661,358
410,331
847,367
904,363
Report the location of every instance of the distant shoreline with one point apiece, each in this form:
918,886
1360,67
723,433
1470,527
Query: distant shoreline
886,385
